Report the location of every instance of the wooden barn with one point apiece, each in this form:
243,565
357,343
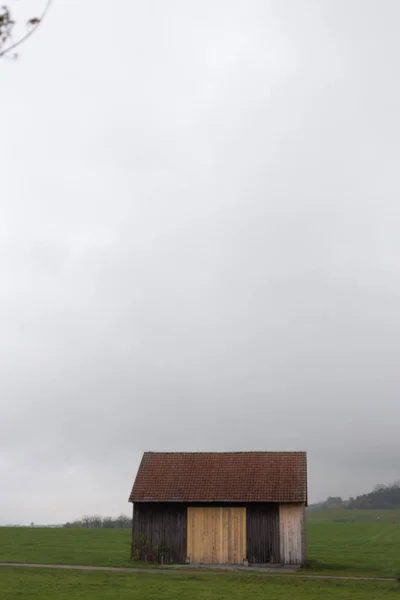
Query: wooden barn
220,508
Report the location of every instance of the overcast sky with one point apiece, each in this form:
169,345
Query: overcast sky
199,229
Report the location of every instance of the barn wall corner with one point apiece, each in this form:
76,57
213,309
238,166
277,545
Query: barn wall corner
292,528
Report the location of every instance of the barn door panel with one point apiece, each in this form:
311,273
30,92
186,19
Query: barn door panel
216,535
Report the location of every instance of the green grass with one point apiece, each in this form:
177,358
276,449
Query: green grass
355,548
362,546
354,542
103,547
353,516
47,584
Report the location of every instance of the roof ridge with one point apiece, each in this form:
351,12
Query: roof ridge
227,452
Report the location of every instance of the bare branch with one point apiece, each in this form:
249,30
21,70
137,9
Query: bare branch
6,25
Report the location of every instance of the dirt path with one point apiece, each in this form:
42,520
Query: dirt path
203,571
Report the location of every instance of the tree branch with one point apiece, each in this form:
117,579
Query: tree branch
35,24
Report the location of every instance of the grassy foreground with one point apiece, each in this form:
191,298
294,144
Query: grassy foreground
95,547
355,548
366,544
47,584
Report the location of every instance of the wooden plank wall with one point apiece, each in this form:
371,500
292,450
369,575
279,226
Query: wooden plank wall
216,535
292,534
263,533
159,532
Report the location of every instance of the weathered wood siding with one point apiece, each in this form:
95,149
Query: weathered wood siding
216,535
292,534
263,533
159,532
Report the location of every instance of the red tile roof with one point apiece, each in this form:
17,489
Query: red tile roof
221,477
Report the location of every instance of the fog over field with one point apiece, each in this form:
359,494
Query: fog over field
199,229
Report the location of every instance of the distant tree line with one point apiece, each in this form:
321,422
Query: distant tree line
98,522
330,502
382,497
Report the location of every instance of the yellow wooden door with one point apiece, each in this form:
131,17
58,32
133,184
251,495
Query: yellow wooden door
216,535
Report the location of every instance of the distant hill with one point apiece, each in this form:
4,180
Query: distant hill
382,497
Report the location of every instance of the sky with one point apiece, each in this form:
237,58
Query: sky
199,245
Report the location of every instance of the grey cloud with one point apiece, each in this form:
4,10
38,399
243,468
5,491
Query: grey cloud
198,246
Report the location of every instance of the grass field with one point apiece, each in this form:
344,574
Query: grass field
104,547
363,545
353,516
45,584
355,542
